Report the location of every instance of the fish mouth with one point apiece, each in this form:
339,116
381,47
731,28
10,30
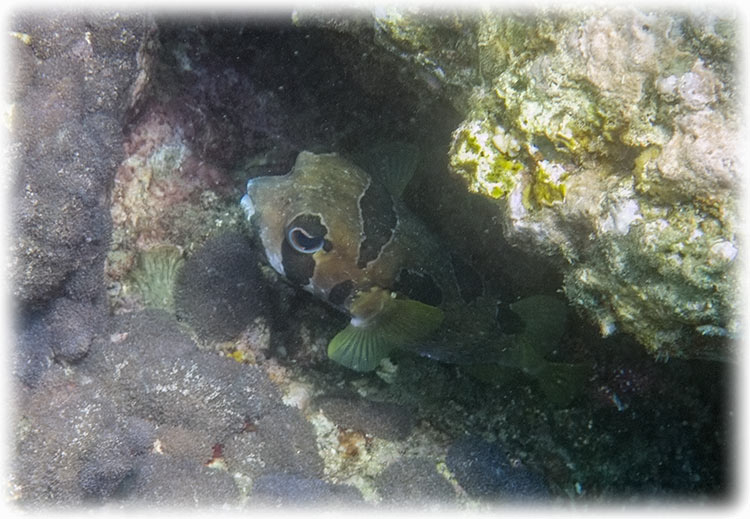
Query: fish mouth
247,205
247,201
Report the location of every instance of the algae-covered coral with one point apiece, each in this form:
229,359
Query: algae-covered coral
608,139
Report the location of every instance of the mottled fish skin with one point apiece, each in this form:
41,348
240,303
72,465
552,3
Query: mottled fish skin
369,238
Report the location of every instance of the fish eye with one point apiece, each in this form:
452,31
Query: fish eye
303,242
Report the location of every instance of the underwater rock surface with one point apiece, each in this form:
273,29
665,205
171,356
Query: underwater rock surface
294,491
69,100
411,481
381,419
146,407
483,470
607,139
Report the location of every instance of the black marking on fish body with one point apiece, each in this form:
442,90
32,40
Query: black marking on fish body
418,285
468,280
378,218
340,292
298,266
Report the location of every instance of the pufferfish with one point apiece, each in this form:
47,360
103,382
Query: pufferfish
345,236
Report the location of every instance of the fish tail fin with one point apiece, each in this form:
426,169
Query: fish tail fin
561,382
545,321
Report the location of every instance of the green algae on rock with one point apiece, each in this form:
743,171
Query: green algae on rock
608,140
486,157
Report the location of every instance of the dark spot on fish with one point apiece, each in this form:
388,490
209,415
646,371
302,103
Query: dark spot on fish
378,222
298,266
509,321
418,285
340,292
470,283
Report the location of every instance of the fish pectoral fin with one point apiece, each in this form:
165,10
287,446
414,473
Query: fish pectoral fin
360,349
398,322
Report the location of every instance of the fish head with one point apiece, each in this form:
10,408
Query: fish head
309,224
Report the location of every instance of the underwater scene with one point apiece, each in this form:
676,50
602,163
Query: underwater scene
384,258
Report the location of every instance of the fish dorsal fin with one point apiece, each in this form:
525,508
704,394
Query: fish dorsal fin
544,321
379,324
392,164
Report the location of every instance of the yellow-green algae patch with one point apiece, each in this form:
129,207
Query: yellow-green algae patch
486,157
547,186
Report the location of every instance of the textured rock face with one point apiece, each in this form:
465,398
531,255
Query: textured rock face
142,417
68,105
294,492
608,139
483,471
411,481
68,101
379,419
